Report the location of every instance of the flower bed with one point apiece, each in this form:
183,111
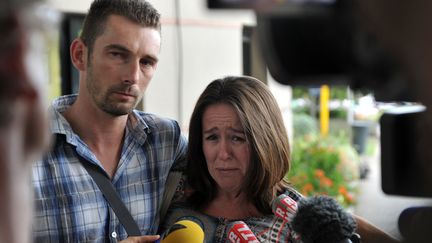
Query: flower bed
325,166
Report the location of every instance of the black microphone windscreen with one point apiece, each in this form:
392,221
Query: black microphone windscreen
320,219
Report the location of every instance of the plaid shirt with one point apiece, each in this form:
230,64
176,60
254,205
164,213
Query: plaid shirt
69,207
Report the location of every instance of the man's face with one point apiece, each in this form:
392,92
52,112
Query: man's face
121,65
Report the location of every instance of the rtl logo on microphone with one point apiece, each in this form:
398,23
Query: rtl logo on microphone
286,208
241,233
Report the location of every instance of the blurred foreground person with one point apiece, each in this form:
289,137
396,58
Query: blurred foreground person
23,123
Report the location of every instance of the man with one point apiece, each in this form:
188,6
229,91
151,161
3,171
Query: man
116,55
23,124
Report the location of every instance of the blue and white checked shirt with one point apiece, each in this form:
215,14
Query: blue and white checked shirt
69,207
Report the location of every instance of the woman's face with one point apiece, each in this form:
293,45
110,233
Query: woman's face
225,147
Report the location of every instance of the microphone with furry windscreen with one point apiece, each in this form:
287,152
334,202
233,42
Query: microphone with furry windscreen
321,219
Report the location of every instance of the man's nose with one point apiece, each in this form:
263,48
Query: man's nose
133,72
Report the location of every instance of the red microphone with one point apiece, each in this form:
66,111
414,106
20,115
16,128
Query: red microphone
241,233
284,207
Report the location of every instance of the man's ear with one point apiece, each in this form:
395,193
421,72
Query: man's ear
78,52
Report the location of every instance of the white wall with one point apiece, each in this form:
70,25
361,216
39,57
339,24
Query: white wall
211,45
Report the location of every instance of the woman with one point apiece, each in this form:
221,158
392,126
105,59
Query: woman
238,157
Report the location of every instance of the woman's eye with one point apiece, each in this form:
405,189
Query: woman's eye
211,137
238,139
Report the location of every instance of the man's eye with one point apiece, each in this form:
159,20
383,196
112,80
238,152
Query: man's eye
117,54
147,63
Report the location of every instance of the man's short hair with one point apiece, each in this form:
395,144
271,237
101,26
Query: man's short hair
138,11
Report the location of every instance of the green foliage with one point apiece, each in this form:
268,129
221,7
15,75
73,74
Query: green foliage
336,92
304,124
308,102
339,113
324,165
305,109
371,146
300,92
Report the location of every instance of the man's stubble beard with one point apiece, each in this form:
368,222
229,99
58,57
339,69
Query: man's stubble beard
102,100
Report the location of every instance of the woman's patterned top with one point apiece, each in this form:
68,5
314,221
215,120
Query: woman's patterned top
267,228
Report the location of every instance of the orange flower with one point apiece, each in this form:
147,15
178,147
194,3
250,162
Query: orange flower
343,190
319,173
348,197
307,189
326,182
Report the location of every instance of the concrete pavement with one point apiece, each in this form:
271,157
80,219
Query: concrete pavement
378,208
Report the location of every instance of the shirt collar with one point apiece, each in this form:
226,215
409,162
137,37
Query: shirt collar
136,125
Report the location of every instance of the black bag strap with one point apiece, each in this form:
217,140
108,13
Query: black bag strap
170,189
110,194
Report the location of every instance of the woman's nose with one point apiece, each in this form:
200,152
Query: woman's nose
224,150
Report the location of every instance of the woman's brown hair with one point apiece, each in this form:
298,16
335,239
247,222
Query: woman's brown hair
266,134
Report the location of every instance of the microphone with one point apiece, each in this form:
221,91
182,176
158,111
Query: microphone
239,232
284,207
183,231
321,219
318,219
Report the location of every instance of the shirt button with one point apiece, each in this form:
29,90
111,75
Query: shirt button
114,234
